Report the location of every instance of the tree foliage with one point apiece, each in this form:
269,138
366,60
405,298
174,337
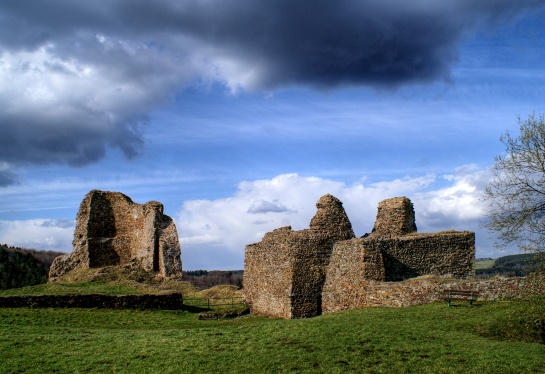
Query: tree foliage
516,193
20,267
519,265
204,279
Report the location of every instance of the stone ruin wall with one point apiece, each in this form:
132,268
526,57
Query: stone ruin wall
448,254
407,254
285,272
425,290
394,252
352,265
268,274
336,272
356,266
112,230
395,217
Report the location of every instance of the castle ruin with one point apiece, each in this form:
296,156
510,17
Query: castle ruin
297,274
285,272
113,230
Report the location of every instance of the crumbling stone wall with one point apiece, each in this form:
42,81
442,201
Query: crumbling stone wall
448,254
113,230
352,265
395,217
285,272
425,290
289,272
367,271
404,254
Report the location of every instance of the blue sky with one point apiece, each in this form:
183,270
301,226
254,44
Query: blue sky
239,116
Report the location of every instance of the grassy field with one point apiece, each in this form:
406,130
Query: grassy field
423,339
486,264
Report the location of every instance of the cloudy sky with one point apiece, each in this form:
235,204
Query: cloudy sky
238,115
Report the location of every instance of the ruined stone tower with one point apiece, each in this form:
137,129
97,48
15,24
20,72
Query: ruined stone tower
285,272
395,217
113,230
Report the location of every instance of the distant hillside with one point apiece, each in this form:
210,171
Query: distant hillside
204,279
20,267
509,266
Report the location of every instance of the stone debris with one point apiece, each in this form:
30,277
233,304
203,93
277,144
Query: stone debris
113,230
296,274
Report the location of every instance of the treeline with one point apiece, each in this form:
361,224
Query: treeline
513,266
20,267
205,279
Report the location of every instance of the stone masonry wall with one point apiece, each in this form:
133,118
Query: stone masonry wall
352,265
268,274
448,254
295,274
426,290
285,272
395,217
113,230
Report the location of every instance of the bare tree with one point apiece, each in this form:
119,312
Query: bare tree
516,193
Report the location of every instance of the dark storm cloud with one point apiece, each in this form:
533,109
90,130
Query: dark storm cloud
7,178
318,43
77,77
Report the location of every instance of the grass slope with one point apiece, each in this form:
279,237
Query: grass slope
485,264
423,339
118,281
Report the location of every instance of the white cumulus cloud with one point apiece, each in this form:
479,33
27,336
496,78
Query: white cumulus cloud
43,234
215,232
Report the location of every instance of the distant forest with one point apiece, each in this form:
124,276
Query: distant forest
204,279
513,266
20,267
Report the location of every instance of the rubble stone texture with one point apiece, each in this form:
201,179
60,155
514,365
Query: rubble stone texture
360,267
289,272
447,254
395,217
285,272
424,290
113,230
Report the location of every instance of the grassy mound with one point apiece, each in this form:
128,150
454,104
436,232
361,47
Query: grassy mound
111,280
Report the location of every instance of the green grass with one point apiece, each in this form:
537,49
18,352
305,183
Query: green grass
76,288
423,339
486,264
